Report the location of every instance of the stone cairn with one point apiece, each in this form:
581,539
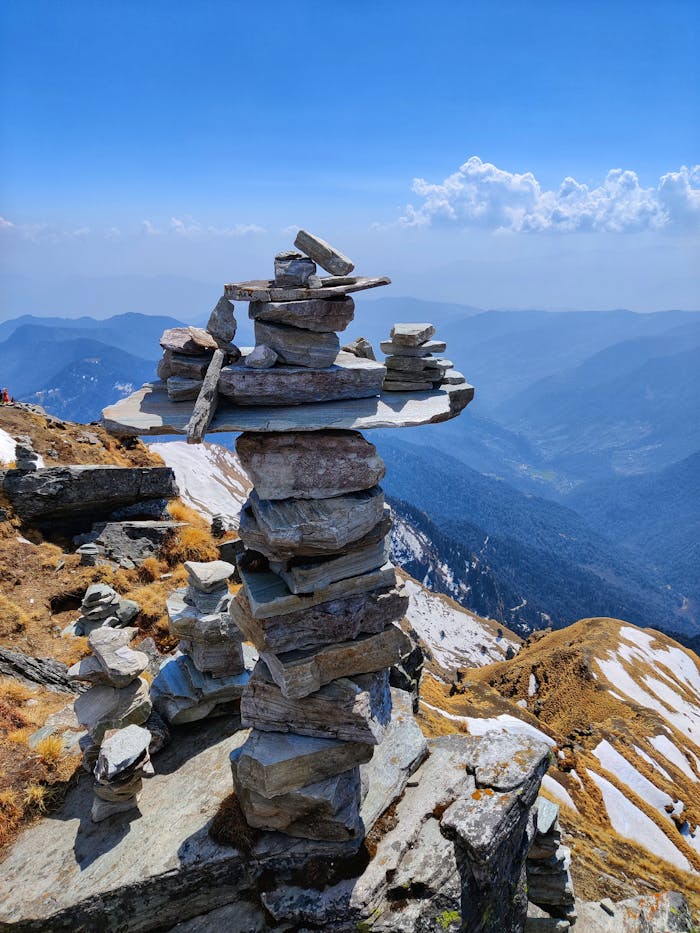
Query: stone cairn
102,607
410,364
549,883
319,600
213,665
118,698
26,458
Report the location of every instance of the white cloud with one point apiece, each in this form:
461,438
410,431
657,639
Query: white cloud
481,195
188,227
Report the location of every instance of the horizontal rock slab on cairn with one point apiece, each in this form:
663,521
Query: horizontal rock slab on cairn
316,314
297,347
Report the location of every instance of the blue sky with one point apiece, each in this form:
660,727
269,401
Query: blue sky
184,139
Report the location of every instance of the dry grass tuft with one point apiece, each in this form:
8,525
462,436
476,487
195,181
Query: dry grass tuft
13,619
14,692
76,651
19,736
37,798
230,828
192,542
50,749
150,570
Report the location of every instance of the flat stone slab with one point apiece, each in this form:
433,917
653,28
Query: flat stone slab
327,256
150,412
315,315
269,290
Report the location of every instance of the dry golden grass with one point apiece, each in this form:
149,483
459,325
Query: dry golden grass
37,798
19,736
192,542
150,570
14,692
13,619
50,749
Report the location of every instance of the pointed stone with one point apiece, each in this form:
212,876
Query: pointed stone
362,348
205,405
222,323
327,256
411,335
297,347
300,673
261,357
322,316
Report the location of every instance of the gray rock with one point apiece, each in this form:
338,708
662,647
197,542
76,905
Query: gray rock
291,268
127,610
120,663
324,624
313,315
223,658
299,673
131,540
360,347
501,762
297,347
547,815
426,366
327,257
274,763
65,492
311,527
182,389
304,575
189,340
311,465
453,378
207,400
98,593
208,603
391,385
666,912
268,595
411,335
222,323
355,710
261,357
208,576
103,708
266,290
103,809
121,752
423,349
45,672
89,554
189,367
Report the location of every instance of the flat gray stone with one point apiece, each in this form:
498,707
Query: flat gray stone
424,349
208,575
291,269
355,710
299,673
337,620
309,465
297,347
400,385
120,663
149,412
262,290
189,340
411,335
182,389
222,322
103,708
504,762
260,357
268,594
121,751
547,815
306,575
316,314
665,912
361,347
189,367
453,378
327,256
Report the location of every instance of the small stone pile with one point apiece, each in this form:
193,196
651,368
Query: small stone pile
411,365
101,607
26,458
549,883
122,763
208,675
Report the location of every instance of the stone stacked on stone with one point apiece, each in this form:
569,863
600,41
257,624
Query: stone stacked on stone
102,607
411,364
208,675
549,883
122,763
26,458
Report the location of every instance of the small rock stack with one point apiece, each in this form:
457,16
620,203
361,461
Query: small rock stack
121,765
118,697
549,883
209,674
26,458
411,365
101,607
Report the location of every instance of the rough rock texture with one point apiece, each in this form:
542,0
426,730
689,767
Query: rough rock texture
297,347
333,287
312,465
261,357
208,575
291,268
133,541
222,323
361,347
44,672
327,256
189,340
667,912
316,314
183,388
63,492
423,349
411,335
103,708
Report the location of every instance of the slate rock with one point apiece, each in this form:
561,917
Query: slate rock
292,268
261,357
189,340
120,663
121,751
183,389
411,335
189,367
208,576
361,347
424,349
297,347
316,314
327,256
222,322
309,465
103,708
504,761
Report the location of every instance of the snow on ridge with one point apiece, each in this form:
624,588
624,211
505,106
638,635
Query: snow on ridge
673,754
558,791
654,763
7,447
625,772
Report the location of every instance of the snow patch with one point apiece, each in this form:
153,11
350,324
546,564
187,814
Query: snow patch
560,794
625,772
654,763
670,751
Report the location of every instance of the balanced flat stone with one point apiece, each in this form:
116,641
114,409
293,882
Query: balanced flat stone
292,268
411,335
191,367
453,378
306,576
299,673
104,708
297,347
312,527
328,810
309,465
337,620
346,377
189,340
182,389
355,710
274,763
149,411
121,751
361,347
400,385
222,323
208,575
316,314
423,349
262,290
120,663
414,364
268,594
327,256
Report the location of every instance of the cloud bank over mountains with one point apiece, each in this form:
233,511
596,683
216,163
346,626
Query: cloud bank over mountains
481,195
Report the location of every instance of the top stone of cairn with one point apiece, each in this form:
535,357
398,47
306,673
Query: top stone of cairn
411,335
327,257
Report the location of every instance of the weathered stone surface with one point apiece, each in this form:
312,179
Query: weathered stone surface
45,672
309,465
347,377
323,316
120,663
182,389
547,815
501,762
355,710
121,751
328,810
260,357
222,322
424,349
149,411
666,912
262,290
453,378
222,658
63,492
361,347
208,576
400,385
312,526
297,347
104,708
306,575
404,366
207,603
327,256
324,624
130,540
268,594
299,673
189,340
205,405
274,763
189,367
103,809
411,335
291,268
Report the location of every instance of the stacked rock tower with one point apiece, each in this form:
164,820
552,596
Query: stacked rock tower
319,600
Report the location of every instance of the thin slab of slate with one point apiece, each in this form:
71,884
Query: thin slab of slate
268,290
149,412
